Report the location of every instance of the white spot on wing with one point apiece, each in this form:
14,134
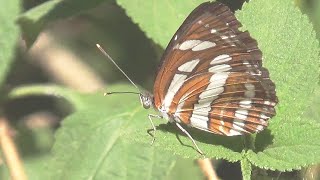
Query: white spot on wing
181,103
224,37
176,46
221,129
176,83
234,133
188,44
263,116
213,31
241,114
238,128
175,37
203,45
219,78
245,103
221,123
215,87
238,125
199,121
221,59
189,66
267,102
199,117
213,92
259,128
247,63
220,68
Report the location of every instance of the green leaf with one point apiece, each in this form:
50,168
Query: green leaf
34,146
34,167
100,143
34,20
49,90
294,145
246,169
226,148
9,33
313,110
291,53
104,130
159,19
285,36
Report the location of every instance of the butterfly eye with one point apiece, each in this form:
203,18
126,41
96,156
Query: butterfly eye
145,100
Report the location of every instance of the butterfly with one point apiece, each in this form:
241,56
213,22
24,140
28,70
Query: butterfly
211,77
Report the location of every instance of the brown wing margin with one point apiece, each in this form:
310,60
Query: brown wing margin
214,11
213,8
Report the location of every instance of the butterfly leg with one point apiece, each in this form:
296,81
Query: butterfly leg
150,116
186,132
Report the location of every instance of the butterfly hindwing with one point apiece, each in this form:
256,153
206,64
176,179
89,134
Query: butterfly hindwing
212,77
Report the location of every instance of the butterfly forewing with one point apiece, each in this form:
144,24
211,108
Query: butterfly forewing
212,77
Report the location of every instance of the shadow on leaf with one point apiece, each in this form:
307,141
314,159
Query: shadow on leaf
263,140
234,143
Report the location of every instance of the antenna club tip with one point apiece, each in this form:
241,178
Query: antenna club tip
98,45
106,93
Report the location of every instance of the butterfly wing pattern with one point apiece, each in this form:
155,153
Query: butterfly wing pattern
211,76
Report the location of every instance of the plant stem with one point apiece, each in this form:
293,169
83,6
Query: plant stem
248,142
10,152
207,169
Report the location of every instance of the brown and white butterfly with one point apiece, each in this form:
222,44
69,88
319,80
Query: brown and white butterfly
211,77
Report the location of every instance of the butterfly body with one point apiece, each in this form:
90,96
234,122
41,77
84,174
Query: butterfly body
211,76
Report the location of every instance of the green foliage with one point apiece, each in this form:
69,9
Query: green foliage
106,137
159,19
291,54
96,142
246,169
34,21
9,34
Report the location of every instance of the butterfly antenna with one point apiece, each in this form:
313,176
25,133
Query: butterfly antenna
110,58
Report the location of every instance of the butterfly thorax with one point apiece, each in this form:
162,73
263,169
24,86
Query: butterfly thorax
147,101
164,113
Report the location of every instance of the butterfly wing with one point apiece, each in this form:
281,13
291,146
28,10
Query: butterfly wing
212,77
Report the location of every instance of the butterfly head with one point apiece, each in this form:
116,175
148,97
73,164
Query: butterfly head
146,100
